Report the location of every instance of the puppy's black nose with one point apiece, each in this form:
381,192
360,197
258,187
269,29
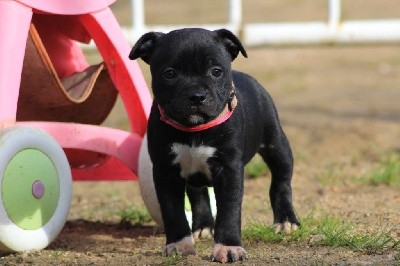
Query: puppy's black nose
197,98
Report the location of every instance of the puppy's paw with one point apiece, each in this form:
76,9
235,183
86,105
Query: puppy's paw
285,227
225,254
205,233
184,247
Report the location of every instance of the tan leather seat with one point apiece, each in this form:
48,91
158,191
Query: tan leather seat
86,97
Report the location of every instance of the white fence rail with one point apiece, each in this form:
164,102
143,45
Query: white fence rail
331,31
139,26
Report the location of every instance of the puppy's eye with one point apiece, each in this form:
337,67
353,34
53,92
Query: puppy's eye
216,72
169,73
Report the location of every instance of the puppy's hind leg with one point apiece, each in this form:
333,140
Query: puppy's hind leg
203,221
277,153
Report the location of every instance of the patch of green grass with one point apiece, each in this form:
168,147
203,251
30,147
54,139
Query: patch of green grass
256,167
172,260
374,242
333,232
387,172
133,215
262,232
326,231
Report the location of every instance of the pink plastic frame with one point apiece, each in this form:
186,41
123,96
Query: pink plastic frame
97,20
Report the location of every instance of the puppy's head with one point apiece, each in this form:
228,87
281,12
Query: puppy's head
191,71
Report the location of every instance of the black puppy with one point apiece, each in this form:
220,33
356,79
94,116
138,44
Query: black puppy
206,123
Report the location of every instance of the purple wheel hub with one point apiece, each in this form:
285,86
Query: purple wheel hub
38,189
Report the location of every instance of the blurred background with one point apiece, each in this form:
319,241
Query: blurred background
209,11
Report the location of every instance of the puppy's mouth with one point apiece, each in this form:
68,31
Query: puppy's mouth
196,119
192,115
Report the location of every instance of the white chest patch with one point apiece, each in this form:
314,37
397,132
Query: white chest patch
192,159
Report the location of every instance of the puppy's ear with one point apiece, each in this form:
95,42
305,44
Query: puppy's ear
144,47
232,43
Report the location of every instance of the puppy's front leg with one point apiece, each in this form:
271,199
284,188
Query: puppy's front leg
170,189
228,187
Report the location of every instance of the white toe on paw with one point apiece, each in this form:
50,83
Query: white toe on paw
185,246
203,233
285,227
223,254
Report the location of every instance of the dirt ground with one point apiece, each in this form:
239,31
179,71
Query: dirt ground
340,109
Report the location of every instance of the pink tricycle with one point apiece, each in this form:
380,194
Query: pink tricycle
51,105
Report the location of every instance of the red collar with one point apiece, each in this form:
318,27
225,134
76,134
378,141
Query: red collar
221,118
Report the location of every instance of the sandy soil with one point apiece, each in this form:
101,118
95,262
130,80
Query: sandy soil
340,109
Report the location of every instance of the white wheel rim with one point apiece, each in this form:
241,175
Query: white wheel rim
146,184
12,141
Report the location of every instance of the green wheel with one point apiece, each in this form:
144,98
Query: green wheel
36,189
